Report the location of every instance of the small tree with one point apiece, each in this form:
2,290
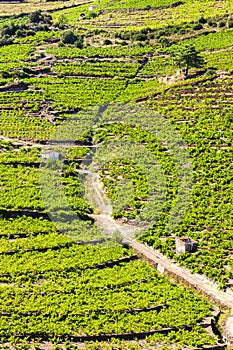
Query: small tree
79,42
35,17
188,57
61,22
68,37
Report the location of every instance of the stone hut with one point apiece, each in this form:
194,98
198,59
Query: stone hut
91,8
185,244
54,155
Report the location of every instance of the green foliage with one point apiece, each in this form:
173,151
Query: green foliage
68,37
99,68
211,41
187,58
61,21
141,37
210,72
197,26
165,42
35,17
221,24
5,40
79,42
202,20
201,127
99,295
212,23
50,285
107,42
113,51
39,17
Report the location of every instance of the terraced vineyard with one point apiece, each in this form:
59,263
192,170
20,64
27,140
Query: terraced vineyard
64,283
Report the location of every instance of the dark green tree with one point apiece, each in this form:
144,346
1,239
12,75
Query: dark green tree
35,17
61,22
187,57
68,37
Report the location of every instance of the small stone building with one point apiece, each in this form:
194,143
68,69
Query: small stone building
185,244
91,8
54,155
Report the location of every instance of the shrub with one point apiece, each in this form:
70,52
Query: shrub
145,30
202,20
35,17
221,24
47,19
20,33
149,29
207,32
92,15
182,31
212,23
210,71
43,28
197,26
124,36
5,40
159,34
230,24
107,42
61,22
97,31
79,44
68,37
141,37
30,32
11,29
5,75
165,42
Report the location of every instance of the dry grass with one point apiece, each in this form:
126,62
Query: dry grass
13,8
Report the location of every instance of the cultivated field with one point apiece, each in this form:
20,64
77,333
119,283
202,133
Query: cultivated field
64,284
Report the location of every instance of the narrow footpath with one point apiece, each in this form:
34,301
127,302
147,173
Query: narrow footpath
164,265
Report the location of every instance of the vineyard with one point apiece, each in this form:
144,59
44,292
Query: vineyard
99,74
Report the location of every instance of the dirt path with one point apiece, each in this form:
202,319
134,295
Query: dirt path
199,282
21,142
46,57
218,50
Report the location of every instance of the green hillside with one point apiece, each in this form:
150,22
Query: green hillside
98,74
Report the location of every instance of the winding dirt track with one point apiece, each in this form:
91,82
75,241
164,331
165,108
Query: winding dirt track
156,259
